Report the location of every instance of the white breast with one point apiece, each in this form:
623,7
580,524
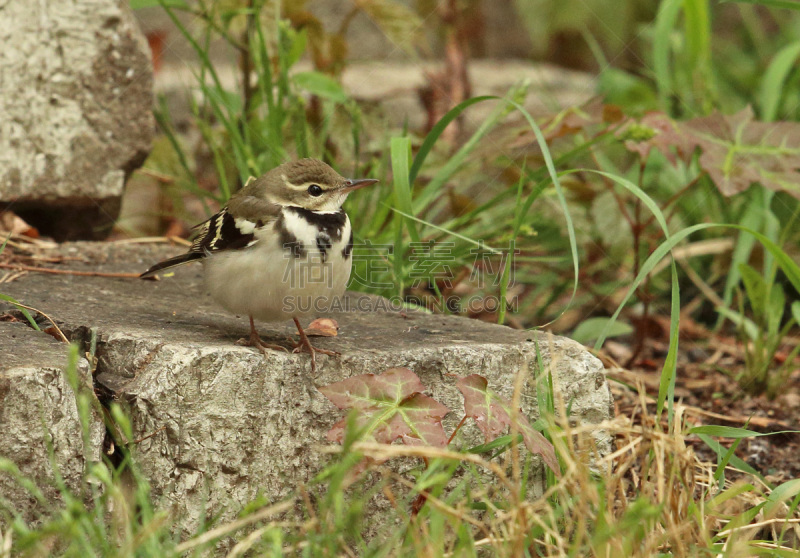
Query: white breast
268,282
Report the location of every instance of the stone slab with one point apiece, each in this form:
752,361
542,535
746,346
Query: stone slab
229,423
39,414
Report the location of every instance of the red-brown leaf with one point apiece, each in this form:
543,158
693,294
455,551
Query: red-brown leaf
390,406
492,414
735,150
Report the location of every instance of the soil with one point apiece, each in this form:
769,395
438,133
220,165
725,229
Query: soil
706,385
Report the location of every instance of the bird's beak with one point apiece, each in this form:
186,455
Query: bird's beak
351,185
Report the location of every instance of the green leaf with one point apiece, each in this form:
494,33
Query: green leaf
298,48
591,329
320,85
755,288
796,311
749,327
777,302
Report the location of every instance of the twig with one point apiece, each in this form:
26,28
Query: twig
700,284
458,426
159,177
21,267
26,307
150,435
154,240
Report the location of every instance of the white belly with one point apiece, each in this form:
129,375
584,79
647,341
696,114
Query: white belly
270,284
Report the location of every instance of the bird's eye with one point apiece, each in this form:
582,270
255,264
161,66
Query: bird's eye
315,190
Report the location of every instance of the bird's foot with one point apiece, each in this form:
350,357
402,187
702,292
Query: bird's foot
255,341
305,345
300,346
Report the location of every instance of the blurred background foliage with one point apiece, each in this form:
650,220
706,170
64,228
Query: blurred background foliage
692,120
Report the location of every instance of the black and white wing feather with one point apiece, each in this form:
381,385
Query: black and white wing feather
223,231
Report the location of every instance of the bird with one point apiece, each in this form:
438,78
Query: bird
280,249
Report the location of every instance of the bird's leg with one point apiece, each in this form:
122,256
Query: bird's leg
255,341
305,343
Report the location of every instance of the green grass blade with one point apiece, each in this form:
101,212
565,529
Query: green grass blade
781,493
665,22
788,4
551,169
436,131
448,232
734,432
206,63
698,32
790,269
669,372
753,218
400,149
23,310
428,194
737,462
773,82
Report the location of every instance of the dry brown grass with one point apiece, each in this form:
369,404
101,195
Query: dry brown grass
651,496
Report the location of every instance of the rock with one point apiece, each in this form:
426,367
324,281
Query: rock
76,97
226,423
394,86
39,408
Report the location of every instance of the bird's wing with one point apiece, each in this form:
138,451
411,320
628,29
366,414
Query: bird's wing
232,228
235,225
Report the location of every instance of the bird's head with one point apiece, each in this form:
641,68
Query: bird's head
310,184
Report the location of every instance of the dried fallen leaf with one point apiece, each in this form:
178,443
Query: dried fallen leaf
12,223
323,327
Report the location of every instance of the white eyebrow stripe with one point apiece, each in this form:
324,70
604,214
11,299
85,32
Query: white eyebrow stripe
293,185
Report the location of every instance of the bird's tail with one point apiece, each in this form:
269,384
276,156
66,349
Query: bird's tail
172,262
